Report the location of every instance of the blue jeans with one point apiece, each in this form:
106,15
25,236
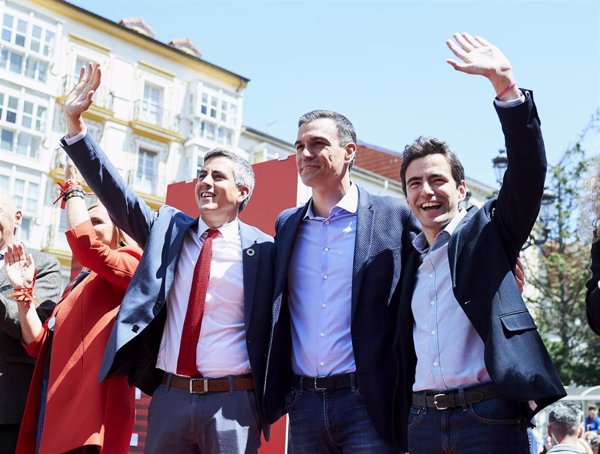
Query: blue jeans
494,426
331,422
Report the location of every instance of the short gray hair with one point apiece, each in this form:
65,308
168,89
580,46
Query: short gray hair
242,170
565,419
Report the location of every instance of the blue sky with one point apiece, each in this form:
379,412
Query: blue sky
382,64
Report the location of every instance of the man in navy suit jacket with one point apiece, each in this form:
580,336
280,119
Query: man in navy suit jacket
471,361
213,408
338,264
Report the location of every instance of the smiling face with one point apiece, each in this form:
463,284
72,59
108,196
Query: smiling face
432,193
217,195
322,162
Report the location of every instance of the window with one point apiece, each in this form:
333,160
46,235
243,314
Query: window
24,65
28,33
151,103
145,176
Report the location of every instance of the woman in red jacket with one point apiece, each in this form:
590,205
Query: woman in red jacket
67,410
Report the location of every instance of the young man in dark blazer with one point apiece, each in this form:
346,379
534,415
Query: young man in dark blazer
592,298
210,404
338,263
16,366
473,369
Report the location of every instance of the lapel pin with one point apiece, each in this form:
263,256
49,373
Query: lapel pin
250,252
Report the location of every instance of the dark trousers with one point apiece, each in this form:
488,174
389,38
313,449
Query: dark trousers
8,438
494,426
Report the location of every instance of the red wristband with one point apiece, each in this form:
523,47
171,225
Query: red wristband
506,90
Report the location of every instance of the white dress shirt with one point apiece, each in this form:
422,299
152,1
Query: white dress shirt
221,347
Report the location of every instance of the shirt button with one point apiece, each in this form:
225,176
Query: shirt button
323,305
325,277
322,334
435,364
322,363
431,275
327,222
432,302
326,249
433,333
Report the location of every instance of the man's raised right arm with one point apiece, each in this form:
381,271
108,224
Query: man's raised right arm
127,210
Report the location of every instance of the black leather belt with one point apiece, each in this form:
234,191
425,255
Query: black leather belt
329,383
451,399
203,385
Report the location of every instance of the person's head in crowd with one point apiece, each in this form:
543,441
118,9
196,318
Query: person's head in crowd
224,186
106,231
595,444
325,149
433,181
592,411
10,219
565,423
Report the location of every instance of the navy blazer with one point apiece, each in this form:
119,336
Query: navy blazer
592,298
135,338
384,228
482,253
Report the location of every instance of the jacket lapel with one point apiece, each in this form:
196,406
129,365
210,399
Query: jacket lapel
364,232
250,261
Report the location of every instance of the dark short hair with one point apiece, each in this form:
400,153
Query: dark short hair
345,128
425,146
565,419
242,170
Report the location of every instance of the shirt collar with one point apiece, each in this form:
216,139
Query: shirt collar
420,242
228,231
348,203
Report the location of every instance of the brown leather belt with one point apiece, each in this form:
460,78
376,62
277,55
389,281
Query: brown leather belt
330,383
451,399
203,385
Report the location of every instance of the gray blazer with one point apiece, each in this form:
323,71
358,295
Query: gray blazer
16,366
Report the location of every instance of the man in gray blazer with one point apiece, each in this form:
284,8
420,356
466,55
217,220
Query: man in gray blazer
16,367
212,404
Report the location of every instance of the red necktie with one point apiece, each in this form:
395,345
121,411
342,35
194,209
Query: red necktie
186,361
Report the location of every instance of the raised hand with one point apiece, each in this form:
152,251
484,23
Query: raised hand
72,172
480,57
80,97
19,266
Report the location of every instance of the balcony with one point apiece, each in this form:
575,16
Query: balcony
155,122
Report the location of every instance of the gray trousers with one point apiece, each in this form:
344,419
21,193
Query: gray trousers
213,423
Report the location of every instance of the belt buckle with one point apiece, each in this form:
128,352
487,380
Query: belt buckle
205,387
316,388
435,402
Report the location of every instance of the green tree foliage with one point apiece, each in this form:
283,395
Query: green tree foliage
559,272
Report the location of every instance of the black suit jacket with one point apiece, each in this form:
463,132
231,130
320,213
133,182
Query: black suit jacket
16,366
384,229
482,253
134,342
592,299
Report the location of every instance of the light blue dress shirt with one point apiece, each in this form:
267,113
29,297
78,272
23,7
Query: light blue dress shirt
320,290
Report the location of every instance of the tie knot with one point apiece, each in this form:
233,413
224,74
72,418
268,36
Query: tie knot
211,233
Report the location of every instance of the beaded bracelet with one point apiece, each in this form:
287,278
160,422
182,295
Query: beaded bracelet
74,192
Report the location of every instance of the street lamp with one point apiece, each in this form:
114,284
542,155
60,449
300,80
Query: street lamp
546,216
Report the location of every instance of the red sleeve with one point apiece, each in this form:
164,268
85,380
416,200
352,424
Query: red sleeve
33,348
115,265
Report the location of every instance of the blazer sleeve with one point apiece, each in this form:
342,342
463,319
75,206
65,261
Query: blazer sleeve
34,347
520,197
592,300
47,292
117,266
126,209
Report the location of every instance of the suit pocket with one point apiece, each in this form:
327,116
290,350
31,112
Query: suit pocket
517,322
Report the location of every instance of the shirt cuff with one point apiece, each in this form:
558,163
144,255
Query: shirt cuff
598,284
512,103
75,138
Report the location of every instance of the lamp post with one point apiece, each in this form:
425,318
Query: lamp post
546,216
